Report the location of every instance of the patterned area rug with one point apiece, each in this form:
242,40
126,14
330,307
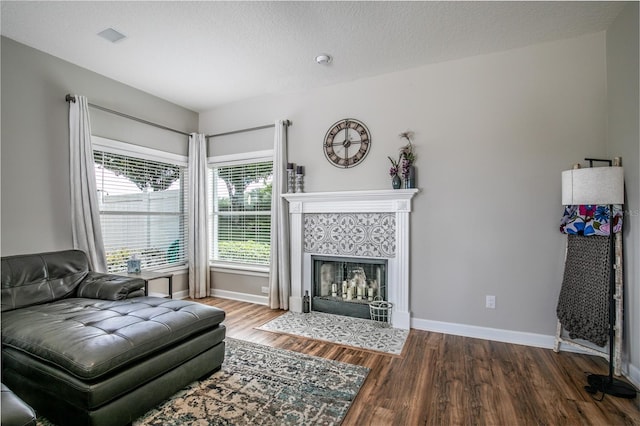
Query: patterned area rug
357,332
261,385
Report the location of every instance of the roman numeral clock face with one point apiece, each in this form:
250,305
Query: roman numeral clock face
347,143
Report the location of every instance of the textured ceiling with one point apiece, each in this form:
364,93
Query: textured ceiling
204,54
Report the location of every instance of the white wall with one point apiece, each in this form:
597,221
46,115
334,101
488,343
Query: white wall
493,133
624,140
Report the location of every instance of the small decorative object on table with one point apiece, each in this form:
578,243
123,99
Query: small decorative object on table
133,265
380,310
396,182
299,179
291,180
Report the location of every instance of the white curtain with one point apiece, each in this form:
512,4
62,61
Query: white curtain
85,212
198,250
279,273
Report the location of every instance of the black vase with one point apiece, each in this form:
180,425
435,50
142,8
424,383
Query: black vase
306,303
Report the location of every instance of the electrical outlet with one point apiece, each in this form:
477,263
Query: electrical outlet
490,302
265,290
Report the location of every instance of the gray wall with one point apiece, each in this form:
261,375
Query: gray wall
36,213
624,141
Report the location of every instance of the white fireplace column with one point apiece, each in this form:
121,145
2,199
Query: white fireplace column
397,202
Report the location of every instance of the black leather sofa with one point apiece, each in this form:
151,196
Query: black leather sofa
87,348
14,412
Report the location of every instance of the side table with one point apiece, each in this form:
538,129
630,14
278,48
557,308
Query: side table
150,276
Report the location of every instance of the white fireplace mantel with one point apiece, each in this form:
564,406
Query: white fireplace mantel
397,201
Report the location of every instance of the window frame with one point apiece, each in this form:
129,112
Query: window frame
150,154
233,160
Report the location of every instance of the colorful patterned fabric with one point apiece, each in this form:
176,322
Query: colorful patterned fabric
590,220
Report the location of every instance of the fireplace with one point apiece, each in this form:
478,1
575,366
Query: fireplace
356,224
346,285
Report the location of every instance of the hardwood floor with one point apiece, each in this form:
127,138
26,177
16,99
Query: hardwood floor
450,380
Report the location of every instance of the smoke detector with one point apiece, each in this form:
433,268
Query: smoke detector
323,59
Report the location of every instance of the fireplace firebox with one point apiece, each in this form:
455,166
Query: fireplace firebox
346,286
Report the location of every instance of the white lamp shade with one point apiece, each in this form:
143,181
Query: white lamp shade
593,185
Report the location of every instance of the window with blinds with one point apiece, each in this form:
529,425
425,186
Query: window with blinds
142,210
240,206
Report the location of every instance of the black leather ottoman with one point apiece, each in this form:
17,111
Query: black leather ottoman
14,410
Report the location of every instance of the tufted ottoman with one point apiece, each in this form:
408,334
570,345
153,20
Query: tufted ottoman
92,361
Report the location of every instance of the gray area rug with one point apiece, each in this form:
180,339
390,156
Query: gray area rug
261,385
356,332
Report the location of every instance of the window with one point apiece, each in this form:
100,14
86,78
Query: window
142,207
240,206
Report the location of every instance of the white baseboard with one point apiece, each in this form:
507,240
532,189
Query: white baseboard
183,294
242,297
634,375
496,334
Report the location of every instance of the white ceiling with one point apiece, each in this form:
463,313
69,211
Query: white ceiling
204,54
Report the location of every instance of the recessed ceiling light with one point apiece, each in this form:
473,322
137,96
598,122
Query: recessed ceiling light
323,59
111,35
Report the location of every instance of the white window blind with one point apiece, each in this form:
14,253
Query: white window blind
240,206
142,210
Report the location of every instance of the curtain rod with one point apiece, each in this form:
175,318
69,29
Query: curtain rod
287,123
70,98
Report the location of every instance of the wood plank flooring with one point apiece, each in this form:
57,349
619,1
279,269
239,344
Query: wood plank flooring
450,380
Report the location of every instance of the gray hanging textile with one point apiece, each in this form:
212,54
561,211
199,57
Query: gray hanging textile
583,305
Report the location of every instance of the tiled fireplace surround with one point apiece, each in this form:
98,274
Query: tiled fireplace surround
367,224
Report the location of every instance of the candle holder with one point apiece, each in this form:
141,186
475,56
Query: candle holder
290,178
299,180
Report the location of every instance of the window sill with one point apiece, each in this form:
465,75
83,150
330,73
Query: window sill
235,268
177,270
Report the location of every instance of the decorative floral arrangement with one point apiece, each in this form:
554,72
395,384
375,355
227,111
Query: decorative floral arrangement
407,156
393,170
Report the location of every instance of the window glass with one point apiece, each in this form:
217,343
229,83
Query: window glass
142,210
240,206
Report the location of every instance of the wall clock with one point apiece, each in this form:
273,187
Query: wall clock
347,143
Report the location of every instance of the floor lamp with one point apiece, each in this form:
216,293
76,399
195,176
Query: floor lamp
600,186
